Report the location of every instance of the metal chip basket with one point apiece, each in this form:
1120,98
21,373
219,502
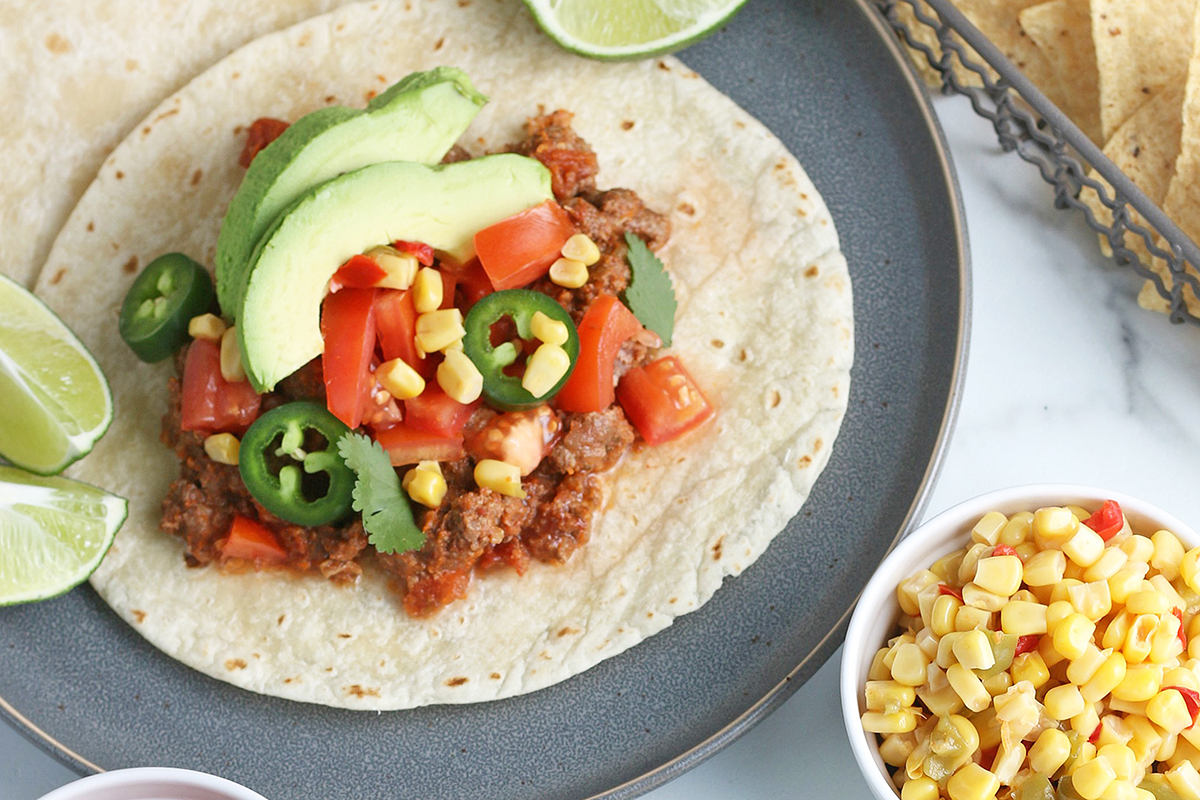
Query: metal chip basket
1027,122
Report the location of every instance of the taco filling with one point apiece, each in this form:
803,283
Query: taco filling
466,400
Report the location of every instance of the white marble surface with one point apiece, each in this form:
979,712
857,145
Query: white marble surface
1067,380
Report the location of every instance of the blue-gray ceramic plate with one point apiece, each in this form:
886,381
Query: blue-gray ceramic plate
825,78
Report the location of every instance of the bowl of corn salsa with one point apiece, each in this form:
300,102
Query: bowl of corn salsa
1035,643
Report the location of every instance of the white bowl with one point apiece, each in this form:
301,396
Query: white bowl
153,783
874,620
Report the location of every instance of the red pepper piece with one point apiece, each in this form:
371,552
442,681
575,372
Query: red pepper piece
1095,734
1026,644
944,588
360,272
252,541
1181,633
1004,550
1191,699
422,251
1107,521
261,133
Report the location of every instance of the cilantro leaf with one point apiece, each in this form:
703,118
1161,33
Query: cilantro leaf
386,514
650,295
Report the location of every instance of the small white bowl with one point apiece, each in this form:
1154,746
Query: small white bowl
874,619
153,783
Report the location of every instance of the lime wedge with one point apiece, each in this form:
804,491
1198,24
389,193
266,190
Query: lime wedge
56,402
53,533
624,29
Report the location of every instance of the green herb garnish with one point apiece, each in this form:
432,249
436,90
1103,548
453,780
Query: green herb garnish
650,295
386,514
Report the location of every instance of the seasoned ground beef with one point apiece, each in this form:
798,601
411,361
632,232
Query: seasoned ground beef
473,528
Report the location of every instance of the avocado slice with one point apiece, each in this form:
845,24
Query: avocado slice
443,206
417,119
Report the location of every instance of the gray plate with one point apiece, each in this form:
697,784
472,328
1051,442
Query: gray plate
824,77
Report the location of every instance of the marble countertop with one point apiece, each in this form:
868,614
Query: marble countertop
1067,380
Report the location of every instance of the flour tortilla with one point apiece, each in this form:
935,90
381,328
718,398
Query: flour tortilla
764,323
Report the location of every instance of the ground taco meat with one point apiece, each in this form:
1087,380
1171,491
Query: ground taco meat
473,528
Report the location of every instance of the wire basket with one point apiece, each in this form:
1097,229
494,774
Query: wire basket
1027,122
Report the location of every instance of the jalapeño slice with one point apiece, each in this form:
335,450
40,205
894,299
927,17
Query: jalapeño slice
499,314
163,299
287,474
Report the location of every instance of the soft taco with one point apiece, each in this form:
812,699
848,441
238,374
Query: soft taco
763,324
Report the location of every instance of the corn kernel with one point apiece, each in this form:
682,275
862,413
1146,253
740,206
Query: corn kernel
970,560
925,640
550,331
968,687
972,782
402,381
1163,585
1049,654
1049,752
1116,630
1168,552
427,290
889,696
1073,634
925,600
1086,722
1018,529
879,671
896,748
998,683
1189,569
1083,667
438,329
1053,526
1063,702
1000,575
1085,547
1165,644
1110,564
1023,618
1168,710
1120,790
568,273
941,617
1113,730
974,651
970,619
978,597
1148,602
1146,738
1046,568
1185,780
208,327
580,247
459,377
987,530
1128,579
923,788
941,702
945,654
1181,676
1167,749
897,722
223,448
1007,762
1026,551
401,268
1061,590
1138,548
910,587
424,485
946,567
1091,599
1091,779
1141,682
1105,679
505,478
1139,640
231,357
1120,758
544,369
908,667
1030,667
1056,612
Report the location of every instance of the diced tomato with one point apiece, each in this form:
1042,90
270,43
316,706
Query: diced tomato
429,594
436,412
1191,698
662,400
473,284
604,328
944,588
252,541
449,284
509,553
396,324
261,133
1026,644
1004,550
405,445
360,272
520,249
209,402
422,251
1107,521
348,327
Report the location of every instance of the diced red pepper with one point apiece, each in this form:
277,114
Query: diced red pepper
436,412
1004,550
422,251
1107,521
519,250
662,400
252,541
944,588
1191,699
1026,644
261,133
405,445
208,401
606,326
1181,633
348,327
1095,734
360,272
396,324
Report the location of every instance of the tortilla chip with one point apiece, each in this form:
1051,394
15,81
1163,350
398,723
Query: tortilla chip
79,76
1061,29
999,20
927,36
1142,48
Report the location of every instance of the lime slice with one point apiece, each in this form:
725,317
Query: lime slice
53,533
622,29
55,399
